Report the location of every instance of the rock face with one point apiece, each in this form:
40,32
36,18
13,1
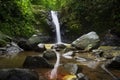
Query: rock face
18,74
115,63
36,62
87,41
111,39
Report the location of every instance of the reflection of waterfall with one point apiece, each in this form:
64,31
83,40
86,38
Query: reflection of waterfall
57,25
53,74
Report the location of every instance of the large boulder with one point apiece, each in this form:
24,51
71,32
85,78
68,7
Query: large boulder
18,74
28,45
38,38
36,62
87,41
49,54
24,44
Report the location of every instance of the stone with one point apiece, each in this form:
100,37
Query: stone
98,52
3,43
31,46
114,63
58,47
49,54
36,62
71,68
24,44
81,76
87,41
39,47
38,38
80,59
13,48
18,74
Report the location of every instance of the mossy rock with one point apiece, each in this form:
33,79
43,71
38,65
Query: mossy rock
2,43
5,37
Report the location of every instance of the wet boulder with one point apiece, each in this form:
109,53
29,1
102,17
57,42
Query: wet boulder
49,54
87,41
36,62
18,74
38,47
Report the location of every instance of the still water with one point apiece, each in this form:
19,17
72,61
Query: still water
96,73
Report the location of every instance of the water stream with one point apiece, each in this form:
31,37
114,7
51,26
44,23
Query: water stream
57,26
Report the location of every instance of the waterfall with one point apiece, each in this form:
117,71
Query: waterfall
57,25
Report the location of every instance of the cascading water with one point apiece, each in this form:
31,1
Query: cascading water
57,26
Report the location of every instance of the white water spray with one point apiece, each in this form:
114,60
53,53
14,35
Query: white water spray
57,25
53,74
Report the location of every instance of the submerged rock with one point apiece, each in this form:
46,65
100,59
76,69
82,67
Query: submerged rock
18,74
36,62
71,68
87,41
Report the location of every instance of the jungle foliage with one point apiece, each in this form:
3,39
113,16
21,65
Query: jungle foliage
16,18
82,16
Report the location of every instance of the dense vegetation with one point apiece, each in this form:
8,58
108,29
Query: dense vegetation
22,17
82,16
16,17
